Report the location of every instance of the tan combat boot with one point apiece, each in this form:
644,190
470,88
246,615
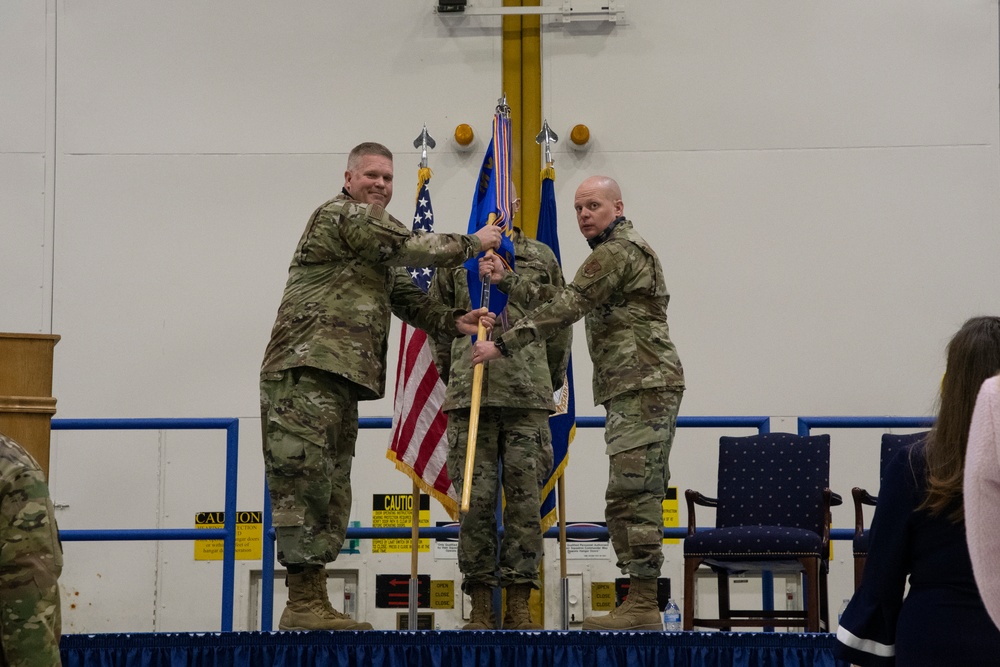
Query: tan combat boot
518,616
639,611
481,617
319,581
309,605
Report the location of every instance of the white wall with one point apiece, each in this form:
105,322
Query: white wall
819,180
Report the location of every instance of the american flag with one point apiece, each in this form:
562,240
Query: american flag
419,445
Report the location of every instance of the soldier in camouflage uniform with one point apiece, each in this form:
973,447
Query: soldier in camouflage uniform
327,352
517,399
30,563
638,378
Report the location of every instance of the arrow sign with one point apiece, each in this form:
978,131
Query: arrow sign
393,590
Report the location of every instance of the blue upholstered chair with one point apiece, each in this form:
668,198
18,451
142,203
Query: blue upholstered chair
891,442
772,514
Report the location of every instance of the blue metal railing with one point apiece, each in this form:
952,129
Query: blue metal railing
227,533
762,424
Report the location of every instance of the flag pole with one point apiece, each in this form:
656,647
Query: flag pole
503,200
423,142
546,138
561,500
477,397
414,550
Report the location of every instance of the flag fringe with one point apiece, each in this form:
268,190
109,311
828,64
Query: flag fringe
423,175
450,504
550,517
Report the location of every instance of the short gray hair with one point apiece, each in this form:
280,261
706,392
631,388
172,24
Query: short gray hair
366,148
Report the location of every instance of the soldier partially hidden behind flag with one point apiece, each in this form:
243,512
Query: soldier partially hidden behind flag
30,563
327,352
517,399
637,377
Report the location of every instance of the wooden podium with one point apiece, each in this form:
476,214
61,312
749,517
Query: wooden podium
26,402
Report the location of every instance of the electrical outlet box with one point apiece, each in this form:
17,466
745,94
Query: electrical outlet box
575,597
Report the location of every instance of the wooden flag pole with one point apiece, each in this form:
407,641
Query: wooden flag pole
477,397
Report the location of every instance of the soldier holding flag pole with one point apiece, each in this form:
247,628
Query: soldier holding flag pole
327,352
638,377
513,450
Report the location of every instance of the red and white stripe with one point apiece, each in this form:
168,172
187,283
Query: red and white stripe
419,442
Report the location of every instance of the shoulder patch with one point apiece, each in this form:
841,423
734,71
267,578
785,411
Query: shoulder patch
592,268
376,212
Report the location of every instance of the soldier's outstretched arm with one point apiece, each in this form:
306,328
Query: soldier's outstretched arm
377,238
593,285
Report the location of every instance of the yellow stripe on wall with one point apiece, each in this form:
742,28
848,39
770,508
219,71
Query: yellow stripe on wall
522,81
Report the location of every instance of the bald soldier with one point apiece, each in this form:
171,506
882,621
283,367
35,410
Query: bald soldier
327,352
638,378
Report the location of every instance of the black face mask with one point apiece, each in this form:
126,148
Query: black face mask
603,236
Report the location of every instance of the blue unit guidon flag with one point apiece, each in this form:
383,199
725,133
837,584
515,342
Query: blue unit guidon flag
491,206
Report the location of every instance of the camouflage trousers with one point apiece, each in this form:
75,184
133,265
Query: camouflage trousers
639,435
520,440
310,423
30,563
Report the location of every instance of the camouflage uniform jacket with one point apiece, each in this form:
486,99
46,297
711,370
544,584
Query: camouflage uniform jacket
30,563
522,381
346,276
621,291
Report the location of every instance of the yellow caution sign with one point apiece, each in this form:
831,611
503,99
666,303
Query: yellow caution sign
671,515
395,510
249,535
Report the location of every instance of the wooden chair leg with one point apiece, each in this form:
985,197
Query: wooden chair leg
824,598
811,566
691,564
725,606
859,569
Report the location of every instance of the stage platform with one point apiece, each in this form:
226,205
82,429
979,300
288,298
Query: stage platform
450,649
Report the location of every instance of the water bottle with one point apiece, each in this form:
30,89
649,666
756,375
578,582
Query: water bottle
350,603
672,617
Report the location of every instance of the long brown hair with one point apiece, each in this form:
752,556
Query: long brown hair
973,356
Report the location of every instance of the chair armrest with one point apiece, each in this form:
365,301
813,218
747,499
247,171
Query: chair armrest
695,498
836,499
827,501
861,497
